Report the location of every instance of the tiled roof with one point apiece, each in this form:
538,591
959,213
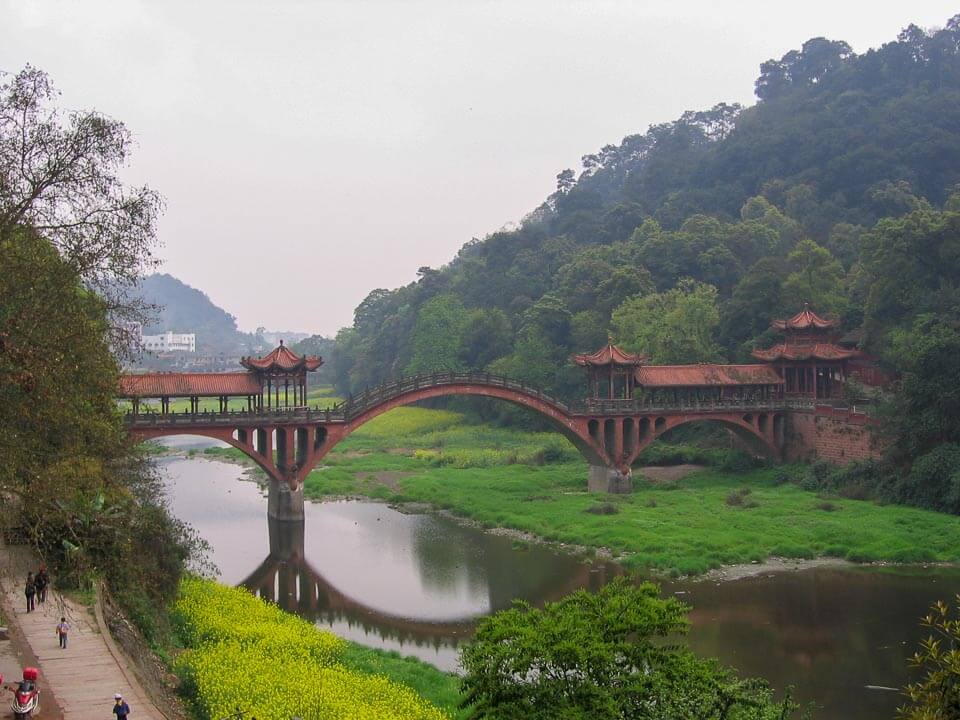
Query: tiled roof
152,385
806,319
805,351
607,355
706,375
282,358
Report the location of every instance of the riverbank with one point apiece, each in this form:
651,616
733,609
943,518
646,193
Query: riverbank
534,484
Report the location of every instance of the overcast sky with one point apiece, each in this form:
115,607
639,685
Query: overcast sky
309,152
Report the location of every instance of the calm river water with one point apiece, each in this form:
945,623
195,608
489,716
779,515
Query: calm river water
416,584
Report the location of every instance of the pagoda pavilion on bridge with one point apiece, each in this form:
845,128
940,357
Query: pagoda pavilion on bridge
275,381
807,364
809,359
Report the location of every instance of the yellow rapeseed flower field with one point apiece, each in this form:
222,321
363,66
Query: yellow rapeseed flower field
248,654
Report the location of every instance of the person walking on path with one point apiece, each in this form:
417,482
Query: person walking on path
120,708
63,627
41,582
30,590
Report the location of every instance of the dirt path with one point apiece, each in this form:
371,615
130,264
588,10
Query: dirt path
83,677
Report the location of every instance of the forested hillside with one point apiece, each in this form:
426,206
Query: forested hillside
837,188
181,308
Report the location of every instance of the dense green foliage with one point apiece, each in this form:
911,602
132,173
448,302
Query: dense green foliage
603,656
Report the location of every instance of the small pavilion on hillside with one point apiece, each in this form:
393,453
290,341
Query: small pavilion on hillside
259,387
810,360
612,372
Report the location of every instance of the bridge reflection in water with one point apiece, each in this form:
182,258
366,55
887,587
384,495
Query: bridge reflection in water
287,578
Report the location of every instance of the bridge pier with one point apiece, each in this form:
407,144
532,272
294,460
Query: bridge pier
283,503
609,480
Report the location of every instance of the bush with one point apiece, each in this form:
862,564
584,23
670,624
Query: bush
734,498
603,509
934,479
737,461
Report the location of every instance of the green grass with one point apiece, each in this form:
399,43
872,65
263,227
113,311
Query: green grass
536,482
440,688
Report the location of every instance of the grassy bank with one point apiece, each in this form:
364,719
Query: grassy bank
535,482
242,653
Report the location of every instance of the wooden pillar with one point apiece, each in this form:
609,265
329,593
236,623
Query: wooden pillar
814,381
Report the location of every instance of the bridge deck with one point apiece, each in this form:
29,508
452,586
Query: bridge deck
343,414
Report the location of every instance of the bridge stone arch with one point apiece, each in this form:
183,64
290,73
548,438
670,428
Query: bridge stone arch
763,430
243,439
573,427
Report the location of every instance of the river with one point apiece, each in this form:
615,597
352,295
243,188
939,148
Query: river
417,583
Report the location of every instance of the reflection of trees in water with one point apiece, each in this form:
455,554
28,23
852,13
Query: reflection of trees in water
448,558
446,553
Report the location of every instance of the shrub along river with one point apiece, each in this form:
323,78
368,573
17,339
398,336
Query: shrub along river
417,583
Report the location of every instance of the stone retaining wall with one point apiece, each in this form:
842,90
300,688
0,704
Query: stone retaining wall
836,435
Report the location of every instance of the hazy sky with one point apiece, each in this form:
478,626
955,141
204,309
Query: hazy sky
312,151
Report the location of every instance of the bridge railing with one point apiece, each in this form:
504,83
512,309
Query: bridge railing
358,404
152,418
615,407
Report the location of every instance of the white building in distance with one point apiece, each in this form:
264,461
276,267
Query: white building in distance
170,342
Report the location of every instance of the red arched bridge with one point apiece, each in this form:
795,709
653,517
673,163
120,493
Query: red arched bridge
288,442
629,404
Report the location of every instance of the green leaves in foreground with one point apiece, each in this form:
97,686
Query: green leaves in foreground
937,695
603,656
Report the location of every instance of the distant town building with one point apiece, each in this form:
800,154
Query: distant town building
170,342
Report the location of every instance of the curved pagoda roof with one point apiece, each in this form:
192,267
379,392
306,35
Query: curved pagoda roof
806,319
282,359
610,354
806,351
171,384
706,375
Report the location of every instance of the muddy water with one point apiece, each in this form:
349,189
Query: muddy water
416,583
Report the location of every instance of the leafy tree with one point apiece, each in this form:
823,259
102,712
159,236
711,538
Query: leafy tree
676,326
588,331
607,655
756,299
535,359
86,499
927,408
486,336
437,335
816,278
937,695
60,175
913,264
